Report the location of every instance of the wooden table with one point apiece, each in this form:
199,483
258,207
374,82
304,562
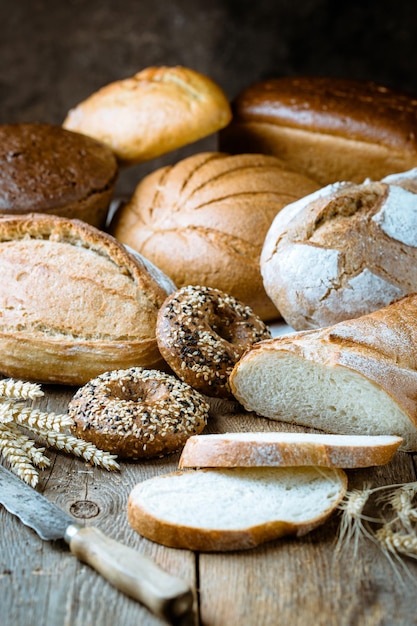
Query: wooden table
287,582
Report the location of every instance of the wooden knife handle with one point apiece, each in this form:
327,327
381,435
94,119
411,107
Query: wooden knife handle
131,572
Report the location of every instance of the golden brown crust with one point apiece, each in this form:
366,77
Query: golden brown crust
203,221
137,413
202,332
225,539
282,449
74,302
154,112
379,346
44,168
327,128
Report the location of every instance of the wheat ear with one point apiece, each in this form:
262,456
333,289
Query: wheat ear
78,447
22,390
32,418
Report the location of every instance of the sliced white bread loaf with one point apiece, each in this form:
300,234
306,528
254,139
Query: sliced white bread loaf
283,449
234,509
356,377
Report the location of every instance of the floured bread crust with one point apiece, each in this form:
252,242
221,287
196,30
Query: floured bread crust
340,253
74,302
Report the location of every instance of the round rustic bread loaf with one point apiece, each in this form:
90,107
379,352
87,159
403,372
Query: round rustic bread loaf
343,251
329,129
153,112
74,302
203,221
51,170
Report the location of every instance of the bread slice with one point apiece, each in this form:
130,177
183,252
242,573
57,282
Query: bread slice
286,449
234,509
357,377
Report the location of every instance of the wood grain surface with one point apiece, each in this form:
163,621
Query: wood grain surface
285,582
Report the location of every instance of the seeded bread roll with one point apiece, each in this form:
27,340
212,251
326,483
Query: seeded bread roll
326,128
74,302
44,168
342,252
137,413
202,332
154,112
203,221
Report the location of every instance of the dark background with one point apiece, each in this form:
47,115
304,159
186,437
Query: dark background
55,53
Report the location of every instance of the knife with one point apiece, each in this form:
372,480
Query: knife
131,572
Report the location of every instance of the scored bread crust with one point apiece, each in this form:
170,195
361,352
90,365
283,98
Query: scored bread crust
343,251
378,349
74,301
148,523
327,128
280,449
151,113
203,221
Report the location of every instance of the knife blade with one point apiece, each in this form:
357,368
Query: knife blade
129,571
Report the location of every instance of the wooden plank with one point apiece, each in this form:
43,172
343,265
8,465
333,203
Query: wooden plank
42,583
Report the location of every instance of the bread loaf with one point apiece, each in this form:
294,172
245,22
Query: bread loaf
326,128
44,168
151,113
283,449
203,221
343,251
358,377
234,509
74,302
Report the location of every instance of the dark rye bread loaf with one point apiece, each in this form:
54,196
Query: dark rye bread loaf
44,168
329,129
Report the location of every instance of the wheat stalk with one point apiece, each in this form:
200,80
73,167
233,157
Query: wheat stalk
50,429
32,418
78,447
10,388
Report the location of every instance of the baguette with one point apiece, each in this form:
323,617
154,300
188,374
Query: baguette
357,377
234,509
282,449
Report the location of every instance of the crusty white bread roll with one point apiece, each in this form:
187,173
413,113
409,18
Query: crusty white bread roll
234,509
286,449
151,113
74,302
203,220
329,129
357,377
343,251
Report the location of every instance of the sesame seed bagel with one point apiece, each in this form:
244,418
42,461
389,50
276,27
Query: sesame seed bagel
137,413
202,332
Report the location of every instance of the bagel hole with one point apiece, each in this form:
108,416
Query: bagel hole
137,390
223,328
